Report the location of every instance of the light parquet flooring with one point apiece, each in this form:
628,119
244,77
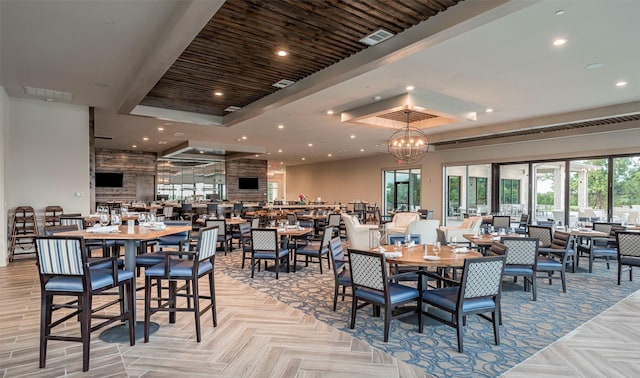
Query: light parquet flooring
606,346
257,336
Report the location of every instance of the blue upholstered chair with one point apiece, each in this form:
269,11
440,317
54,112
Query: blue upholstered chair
91,245
478,293
371,285
317,250
555,258
174,268
64,270
265,246
628,252
600,247
177,241
521,259
244,229
341,271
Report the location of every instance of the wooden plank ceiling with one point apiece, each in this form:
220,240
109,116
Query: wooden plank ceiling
236,53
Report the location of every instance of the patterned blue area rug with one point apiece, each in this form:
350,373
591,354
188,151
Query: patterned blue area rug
527,326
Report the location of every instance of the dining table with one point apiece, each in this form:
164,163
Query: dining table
423,255
130,235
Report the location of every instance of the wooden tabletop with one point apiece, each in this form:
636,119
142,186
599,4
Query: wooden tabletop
415,256
293,231
139,233
488,239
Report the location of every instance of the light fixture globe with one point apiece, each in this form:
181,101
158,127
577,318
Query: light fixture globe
408,144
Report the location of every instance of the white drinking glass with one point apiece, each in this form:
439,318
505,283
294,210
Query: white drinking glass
104,219
454,240
436,248
151,217
116,220
142,218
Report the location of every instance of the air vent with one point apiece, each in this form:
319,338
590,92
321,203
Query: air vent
283,83
47,93
376,37
232,108
103,137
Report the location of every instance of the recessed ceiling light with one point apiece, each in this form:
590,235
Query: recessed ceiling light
559,42
178,134
145,138
281,126
362,150
352,136
244,137
160,128
304,159
279,150
218,93
281,162
282,53
559,12
329,155
489,110
162,142
329,112
257,155
593,66
202,152
377,98
310,144
621,84
134,146
410,87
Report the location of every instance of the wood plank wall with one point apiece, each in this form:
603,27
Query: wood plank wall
132,164
246,168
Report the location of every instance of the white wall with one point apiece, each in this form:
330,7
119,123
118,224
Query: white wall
47,157
4,116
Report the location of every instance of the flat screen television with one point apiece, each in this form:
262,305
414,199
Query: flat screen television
108,180
247,183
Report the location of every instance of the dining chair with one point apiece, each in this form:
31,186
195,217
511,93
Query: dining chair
402,238
104,245
522,225
244,229
555,258
521,259
501,221
224,238
175,268
65,271
628,252
187,212
477,293
255,223
334,220
315,250
605,247
265,246
544,234
371,285
341,271
178,241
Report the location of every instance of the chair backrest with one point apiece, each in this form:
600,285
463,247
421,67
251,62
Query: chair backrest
52,230
498,249
187,207
403,219
501,221
59,255
604,226
212,208
255,223
292,218
562,240
543,234
77,221
334,220
520,251
442,236
393,238
178,238
167,211
429,214
326,237
220,223
207,243
426,229
481,277
546,223
244,228
628,244
368,269
237,208
524,220
264,240
337,255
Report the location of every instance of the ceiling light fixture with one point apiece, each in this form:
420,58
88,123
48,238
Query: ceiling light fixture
621,84
352,136
281,126
489,110
310,145
282,53
145,139
559,42
410,87
408,144
329,112
160,128
218,93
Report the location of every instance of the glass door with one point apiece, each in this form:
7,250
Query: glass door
626,190
548,190
588,190
401,190
514,190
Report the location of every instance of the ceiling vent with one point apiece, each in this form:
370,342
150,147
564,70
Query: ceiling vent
376,37
428,110
232,108
47,94
283,83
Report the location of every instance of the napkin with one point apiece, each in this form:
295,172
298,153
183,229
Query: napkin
430,257
381,249
103,229
495,238
393,254
411,244
461,250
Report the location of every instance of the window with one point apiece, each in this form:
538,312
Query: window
402,190
453,209
509,191
477,191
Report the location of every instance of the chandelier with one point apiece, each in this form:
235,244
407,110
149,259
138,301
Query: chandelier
408,144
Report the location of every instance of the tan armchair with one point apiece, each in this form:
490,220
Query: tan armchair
400,222
360,236
469,225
